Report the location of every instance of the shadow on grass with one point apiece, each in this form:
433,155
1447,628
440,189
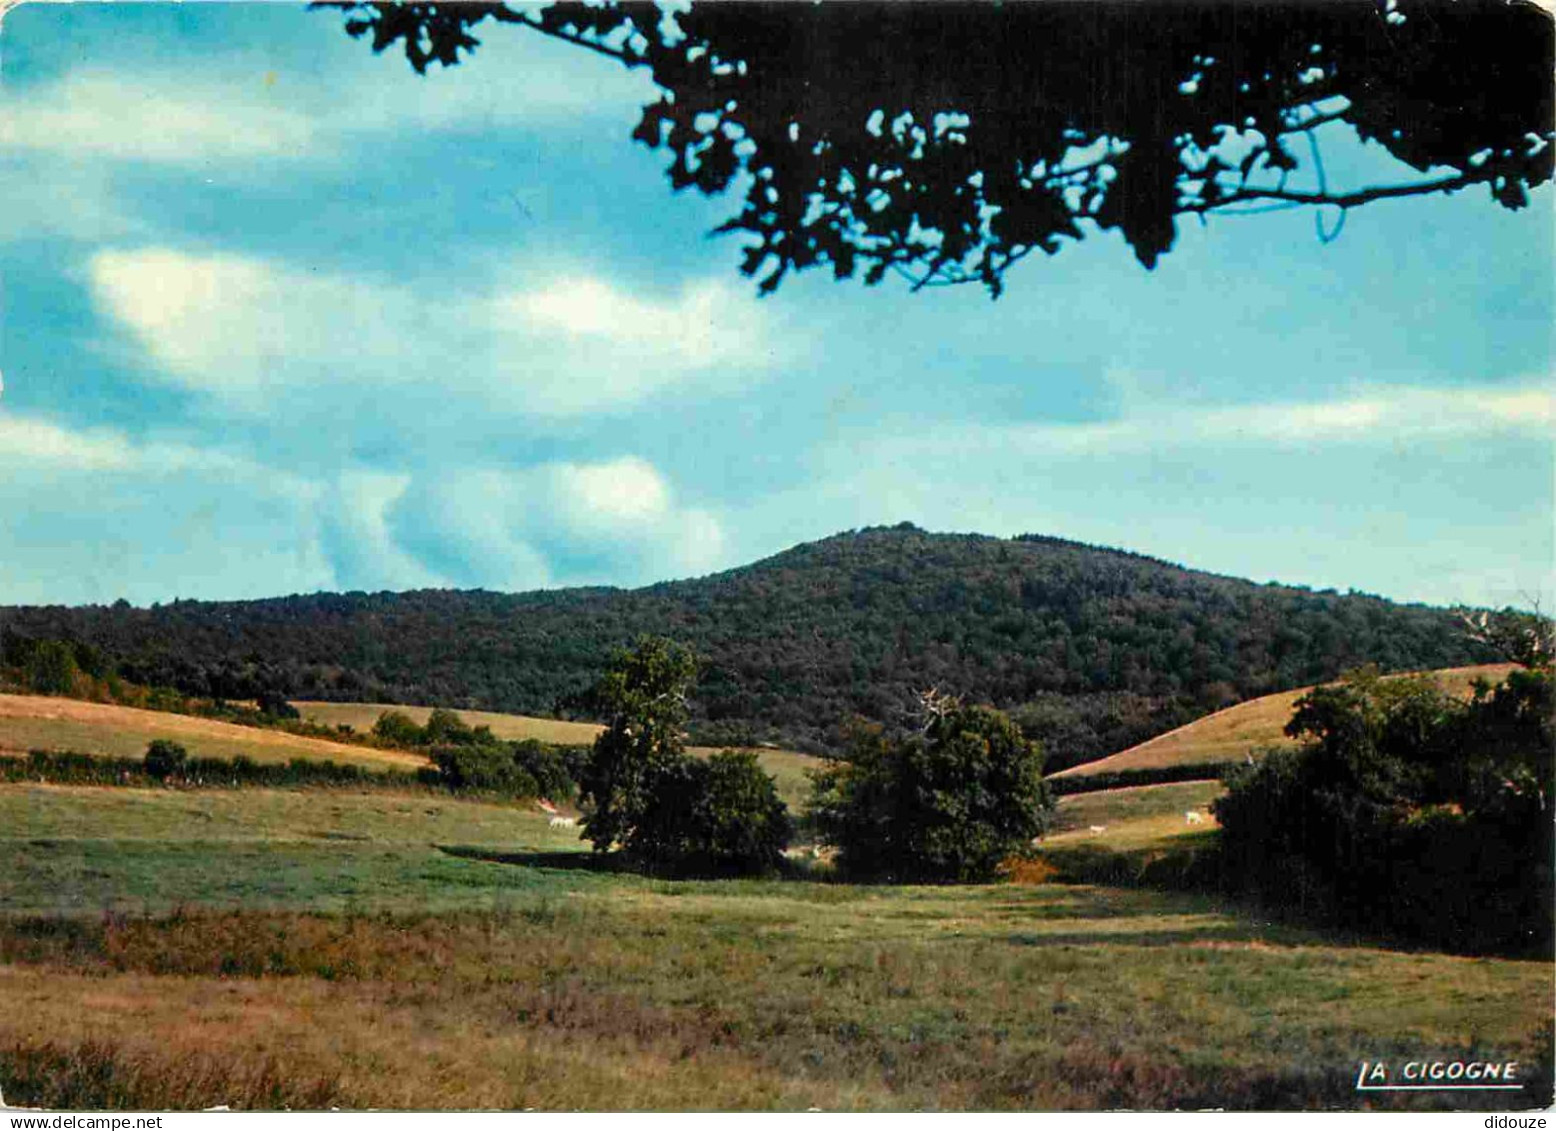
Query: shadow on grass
564,860
613,863
1229,934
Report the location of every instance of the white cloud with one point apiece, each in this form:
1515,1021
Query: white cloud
695,329
238,329
1381,416
127,505
105,115
246,332
357,539
613,521
94,515
696,543
627,490
79,204
31,442
257,103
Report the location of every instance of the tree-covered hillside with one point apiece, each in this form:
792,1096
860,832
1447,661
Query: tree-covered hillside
1091,649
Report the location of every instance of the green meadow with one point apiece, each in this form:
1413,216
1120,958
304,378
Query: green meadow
316,948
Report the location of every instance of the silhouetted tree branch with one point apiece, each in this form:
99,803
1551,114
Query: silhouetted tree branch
946,142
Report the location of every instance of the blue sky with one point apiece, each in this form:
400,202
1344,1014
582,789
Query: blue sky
281,316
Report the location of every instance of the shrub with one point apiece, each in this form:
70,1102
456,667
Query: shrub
547,767
274,704
722,816
165,758
1144,775
485,768
740,823
1406,812
445,728
398,729
87,769
949,804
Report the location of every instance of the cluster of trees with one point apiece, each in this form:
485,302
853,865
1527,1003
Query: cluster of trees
49,666
1408,811
1091,650
72,667
947,803
661,808
473,759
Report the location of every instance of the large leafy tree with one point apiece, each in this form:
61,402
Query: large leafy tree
946,142
663,809
948,803
642,699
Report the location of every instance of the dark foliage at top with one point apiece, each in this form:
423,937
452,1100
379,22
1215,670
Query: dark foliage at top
945,142
1090,650
1408,811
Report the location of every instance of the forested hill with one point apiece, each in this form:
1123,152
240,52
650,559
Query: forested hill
1093,649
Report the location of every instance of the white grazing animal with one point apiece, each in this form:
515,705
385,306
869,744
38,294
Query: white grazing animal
1194,817
1098,830
563,823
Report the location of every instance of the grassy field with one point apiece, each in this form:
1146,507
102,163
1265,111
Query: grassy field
788,767
328,948
1237,732
39,722
1113,807
1145,832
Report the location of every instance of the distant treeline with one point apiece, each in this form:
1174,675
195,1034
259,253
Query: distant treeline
80,671
1090,650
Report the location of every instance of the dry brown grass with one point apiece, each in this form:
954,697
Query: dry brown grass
39,722
1237,732
244,1042
1025,870
1012,996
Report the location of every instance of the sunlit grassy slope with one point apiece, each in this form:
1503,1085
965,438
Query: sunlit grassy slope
1243,730
38,722
362,716
788,767
326,948
1112,807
